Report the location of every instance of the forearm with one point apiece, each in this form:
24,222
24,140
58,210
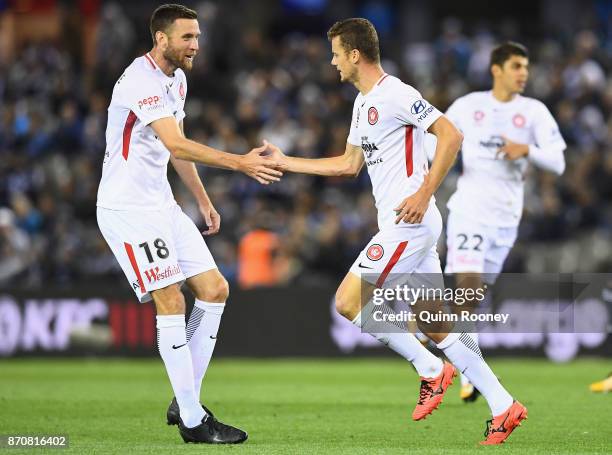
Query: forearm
188,150
188,173
550,158
335,166
444,158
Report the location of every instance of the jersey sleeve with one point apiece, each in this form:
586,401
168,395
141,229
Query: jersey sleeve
454,113
145,98
546,131
353,137
412,109
547,152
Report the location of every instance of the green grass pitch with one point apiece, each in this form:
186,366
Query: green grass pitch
349,406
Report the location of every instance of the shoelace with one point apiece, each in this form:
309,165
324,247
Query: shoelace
489,423
490,430
215,425
425,392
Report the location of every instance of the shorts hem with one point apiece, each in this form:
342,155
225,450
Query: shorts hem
203,270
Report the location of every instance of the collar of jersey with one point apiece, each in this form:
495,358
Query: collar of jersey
503,104
150,61
375,85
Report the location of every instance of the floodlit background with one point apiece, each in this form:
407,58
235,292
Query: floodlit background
264,71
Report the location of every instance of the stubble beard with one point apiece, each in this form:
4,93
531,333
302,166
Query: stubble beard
174,57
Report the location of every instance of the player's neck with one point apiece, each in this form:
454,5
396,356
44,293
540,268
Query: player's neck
368,77
503,95
167,68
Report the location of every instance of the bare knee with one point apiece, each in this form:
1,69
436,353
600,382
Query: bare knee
216,291
345,305
169,300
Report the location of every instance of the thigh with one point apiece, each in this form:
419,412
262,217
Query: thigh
497,254
467,245
143,244
354,289
193,254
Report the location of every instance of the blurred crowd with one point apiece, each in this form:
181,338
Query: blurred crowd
254,85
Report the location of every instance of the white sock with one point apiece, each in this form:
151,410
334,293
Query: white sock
202,329
172,344
404,343
464,353
464,379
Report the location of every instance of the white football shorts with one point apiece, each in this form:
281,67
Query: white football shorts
155,248
477,248
408,249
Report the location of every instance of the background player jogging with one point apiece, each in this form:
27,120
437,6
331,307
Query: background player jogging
503,132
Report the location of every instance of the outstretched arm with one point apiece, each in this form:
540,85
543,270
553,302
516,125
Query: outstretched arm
254,164
188,173
346,165
413,208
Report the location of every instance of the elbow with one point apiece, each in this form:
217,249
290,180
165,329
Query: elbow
458,141
560,168
175,149
348,169
350,172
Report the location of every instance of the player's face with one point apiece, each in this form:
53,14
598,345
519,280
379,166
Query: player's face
514,73
182,43
340,59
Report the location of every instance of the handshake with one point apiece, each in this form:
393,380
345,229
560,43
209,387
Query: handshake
265,164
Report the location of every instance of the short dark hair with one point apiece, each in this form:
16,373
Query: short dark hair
504,51
164,16
357,33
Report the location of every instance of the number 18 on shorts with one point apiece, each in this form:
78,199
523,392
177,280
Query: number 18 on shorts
155,249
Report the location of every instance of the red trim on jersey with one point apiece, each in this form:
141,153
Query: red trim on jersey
383,78
396,255
150,61
127,133
130,252
409,149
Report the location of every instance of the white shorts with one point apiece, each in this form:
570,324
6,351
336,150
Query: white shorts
393,254
155,248
478,248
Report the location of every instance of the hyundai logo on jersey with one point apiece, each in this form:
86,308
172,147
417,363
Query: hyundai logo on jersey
417,107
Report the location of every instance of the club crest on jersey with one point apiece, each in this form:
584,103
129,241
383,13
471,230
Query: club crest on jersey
372,115
375,252
182,91
478,116
518,120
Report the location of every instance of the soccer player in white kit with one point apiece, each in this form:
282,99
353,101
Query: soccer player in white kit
156,244
503,132
389,123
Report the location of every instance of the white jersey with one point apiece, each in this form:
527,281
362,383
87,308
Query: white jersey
134,172
490,189
389,124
